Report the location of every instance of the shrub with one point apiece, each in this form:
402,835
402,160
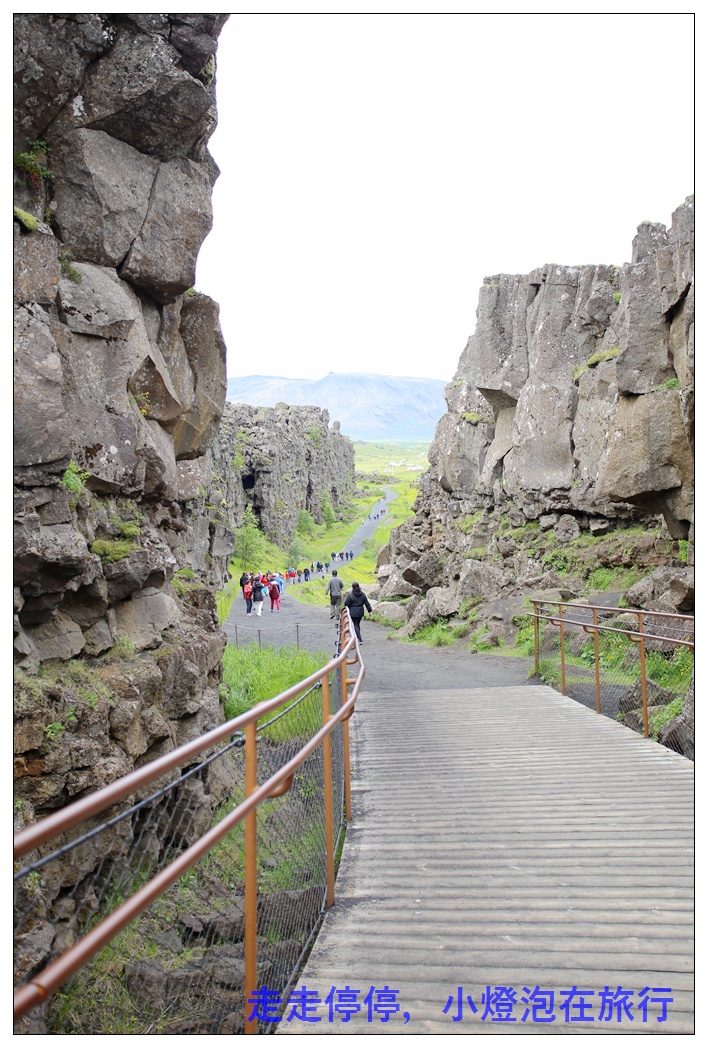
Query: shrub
74,480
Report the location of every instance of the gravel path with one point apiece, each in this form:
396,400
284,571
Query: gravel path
390,663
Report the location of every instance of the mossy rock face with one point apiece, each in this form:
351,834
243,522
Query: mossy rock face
26,220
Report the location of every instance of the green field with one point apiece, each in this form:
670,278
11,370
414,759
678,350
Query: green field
392,458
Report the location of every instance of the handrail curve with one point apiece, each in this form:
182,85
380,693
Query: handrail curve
47,981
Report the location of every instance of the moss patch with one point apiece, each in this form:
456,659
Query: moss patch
600,358
111,550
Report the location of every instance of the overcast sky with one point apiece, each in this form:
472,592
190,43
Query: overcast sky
374,168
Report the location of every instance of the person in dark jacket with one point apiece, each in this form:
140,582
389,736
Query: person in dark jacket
356,601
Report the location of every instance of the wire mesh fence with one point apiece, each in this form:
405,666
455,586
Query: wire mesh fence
180,966
601,657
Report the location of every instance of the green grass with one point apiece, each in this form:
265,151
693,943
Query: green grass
664,716
548,672
436,634
673,672
253,675
390,456
603,578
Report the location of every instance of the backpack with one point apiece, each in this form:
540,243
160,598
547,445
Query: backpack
247,590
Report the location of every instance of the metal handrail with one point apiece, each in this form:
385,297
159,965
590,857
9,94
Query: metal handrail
44,984
638,636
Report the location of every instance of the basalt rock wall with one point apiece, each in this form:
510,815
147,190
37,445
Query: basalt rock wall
280,460
573,404
120,383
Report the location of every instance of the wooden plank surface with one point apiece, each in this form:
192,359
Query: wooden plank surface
507,839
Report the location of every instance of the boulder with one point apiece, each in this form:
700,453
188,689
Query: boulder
670,589
425,572
481,579
442,603
162,258
419,618
143,617
396,585
206,352
59,638
393,612
42,430
97,304
36,266
566,529
50,57
138,94
101,194
632,698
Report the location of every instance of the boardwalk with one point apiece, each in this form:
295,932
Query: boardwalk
505,837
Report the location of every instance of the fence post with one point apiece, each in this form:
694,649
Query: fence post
236,630
596,658
328,797
644,689
345,724
562,651
536,632
250,982
297,629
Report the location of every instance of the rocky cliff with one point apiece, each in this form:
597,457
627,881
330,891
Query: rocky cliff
120,383
279,460
572,409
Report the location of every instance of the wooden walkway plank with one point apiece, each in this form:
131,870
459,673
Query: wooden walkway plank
508,838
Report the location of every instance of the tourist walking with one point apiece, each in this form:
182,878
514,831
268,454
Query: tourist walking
334,587
248,595
274,593
258,594
356,601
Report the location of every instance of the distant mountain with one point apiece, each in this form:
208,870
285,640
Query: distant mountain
369,406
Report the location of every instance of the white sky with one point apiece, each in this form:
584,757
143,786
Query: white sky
374,168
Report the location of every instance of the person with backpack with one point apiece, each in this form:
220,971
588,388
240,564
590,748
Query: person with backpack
306,574
248,594
356,601
258,594
334,587
274,593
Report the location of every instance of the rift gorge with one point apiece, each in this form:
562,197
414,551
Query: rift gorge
560,479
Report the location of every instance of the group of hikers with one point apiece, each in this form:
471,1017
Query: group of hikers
256,586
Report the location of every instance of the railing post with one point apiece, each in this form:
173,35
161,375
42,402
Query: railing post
536,633
345,723
297,631
328,798
596,658
562,651
236,631
644,689
250,982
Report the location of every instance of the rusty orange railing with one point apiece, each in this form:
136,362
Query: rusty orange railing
573,614
44,984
